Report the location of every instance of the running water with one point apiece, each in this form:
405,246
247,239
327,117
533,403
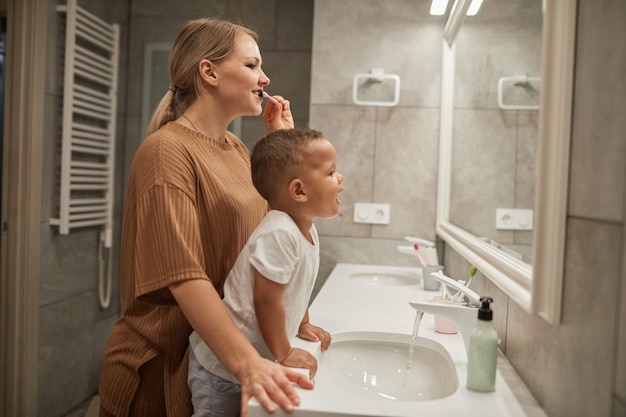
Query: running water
416,328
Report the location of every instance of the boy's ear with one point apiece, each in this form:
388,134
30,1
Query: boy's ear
207,71
297,192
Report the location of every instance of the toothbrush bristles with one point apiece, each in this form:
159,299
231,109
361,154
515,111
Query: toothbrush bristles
419,255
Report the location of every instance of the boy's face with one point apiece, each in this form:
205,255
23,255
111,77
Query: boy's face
321,180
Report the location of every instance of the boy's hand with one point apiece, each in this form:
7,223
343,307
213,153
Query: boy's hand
300,358
314,334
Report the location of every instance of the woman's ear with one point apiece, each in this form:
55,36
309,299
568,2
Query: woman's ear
297,192
207,71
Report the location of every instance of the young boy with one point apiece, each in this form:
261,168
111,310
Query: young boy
268,290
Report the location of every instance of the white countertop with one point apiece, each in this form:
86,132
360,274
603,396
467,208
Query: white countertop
345,304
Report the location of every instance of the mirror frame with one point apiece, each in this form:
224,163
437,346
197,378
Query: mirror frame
537,288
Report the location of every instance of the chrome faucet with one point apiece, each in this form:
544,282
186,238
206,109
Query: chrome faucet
463,315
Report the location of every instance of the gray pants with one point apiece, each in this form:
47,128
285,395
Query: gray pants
211,395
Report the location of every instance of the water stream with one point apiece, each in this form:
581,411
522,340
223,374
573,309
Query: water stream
416,328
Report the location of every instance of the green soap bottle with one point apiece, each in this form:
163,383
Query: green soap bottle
483,351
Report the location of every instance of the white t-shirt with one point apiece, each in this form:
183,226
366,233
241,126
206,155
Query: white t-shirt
281,253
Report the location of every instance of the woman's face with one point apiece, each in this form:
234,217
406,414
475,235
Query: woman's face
241,79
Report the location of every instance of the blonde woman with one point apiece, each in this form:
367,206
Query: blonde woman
190,207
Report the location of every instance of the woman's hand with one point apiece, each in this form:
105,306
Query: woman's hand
312,333
271,385
277,115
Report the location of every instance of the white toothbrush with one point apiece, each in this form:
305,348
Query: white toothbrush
270,98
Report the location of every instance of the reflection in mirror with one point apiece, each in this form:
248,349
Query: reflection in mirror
473,152
495,124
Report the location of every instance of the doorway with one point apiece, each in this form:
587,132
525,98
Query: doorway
24,94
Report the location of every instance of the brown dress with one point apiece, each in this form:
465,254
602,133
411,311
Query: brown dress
190,208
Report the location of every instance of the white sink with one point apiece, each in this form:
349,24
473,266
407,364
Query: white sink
374,365
362,372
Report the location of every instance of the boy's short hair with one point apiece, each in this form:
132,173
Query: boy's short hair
276,158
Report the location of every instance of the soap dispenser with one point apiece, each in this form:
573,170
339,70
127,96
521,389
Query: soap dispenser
482,351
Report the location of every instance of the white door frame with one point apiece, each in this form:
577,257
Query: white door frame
21,205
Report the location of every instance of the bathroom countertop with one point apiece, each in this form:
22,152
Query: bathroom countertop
347,304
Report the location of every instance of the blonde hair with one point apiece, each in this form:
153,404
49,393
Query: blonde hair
212,39
276,158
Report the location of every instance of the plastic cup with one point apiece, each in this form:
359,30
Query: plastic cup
430,283
442,324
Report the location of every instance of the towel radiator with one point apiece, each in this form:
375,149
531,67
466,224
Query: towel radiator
86,184
88,127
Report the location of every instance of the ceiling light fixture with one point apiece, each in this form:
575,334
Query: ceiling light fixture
438,7
474,7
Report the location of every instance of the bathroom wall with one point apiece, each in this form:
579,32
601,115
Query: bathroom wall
72,326
578,368
386,154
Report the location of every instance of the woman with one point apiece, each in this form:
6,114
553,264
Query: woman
190,208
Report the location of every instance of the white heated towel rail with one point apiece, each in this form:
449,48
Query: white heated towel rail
88,130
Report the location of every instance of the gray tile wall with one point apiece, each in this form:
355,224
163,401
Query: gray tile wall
386,154
72,326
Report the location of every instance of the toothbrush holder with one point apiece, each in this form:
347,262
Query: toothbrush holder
442,324
431,284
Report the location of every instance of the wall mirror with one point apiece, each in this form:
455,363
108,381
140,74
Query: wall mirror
504,143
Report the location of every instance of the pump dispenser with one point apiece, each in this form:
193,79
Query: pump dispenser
483,351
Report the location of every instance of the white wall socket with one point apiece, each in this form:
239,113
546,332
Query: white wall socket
372,213
514,219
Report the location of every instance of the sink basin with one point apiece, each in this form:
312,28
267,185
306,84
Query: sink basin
373,365
382,277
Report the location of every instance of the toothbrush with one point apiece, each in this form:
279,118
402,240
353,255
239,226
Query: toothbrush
472,272
419,255
459,295
270,98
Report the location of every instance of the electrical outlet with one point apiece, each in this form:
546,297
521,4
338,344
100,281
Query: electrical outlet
514,219
372,213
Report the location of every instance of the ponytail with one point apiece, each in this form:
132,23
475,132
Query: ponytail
165,112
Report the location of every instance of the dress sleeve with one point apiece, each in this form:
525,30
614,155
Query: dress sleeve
168,246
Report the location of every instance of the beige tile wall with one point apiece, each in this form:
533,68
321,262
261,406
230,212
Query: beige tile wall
386,154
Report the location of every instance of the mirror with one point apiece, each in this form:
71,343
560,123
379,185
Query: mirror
495,124
535,288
